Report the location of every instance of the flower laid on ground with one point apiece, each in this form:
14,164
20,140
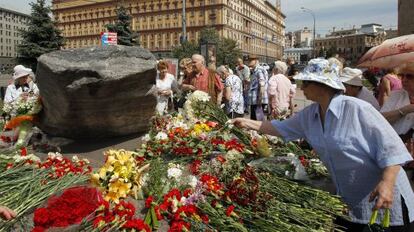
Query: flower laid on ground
120,176
68,209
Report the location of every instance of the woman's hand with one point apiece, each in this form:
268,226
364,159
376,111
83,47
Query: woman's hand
384,191
240,122
7,213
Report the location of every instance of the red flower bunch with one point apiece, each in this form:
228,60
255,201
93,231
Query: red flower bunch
105,215
168,199
63,166
234,144
68,209
245,189
136,225
195,167
178,223
211,183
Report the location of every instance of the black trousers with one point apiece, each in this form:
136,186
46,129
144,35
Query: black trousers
355,227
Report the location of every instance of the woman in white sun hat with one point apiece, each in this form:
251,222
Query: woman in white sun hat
352,80
358,146
22,84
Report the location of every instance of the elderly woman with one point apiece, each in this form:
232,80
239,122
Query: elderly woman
352,80
280,91
165,83
233,92
23,85
360,149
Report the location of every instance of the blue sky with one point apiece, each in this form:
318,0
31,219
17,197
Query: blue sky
329,13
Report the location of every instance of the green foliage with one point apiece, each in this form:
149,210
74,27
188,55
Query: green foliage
187,49
42,35
227,50
122,28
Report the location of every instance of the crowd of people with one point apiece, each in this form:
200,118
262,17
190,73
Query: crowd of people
363,137
250,89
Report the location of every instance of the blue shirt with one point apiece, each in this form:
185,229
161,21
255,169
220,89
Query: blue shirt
355,144
258,77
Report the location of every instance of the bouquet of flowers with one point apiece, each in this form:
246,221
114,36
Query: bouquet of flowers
120,176
22,112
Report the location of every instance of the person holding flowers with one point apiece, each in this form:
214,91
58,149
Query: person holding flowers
359,147
22,84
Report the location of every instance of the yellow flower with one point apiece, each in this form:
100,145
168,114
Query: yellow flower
95,179
119,189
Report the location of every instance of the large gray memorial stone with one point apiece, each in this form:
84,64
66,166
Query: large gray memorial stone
96,92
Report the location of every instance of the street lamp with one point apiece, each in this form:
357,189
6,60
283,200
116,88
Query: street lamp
313,40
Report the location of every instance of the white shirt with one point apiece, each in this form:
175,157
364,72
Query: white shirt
368,96
12,93
398,99
166,84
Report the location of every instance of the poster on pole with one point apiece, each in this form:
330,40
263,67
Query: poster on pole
109,38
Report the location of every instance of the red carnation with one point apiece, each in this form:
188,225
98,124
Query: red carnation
41,217
38,229
230,210
23,151
149,201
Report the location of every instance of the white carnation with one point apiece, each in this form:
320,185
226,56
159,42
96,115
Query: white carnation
161,136
174,173
146,138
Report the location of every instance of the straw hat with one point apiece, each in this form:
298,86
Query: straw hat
351,76
21,71
320,70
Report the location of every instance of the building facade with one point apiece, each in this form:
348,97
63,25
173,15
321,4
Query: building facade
10,24
257,25
351,44
303,38
300,55
290,40
405,17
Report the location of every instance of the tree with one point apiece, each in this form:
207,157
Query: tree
185,50
42,35
227,50
122,28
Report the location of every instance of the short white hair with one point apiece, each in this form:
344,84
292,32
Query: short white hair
199,57
281,67
222,70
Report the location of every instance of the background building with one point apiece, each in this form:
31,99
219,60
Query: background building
10,24
351,44
405,17
290,40
301,55
257,25
303,38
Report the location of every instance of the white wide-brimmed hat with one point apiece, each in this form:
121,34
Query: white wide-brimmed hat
351,76
21,71
320,70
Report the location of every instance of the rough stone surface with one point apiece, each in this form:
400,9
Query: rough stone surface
96,92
